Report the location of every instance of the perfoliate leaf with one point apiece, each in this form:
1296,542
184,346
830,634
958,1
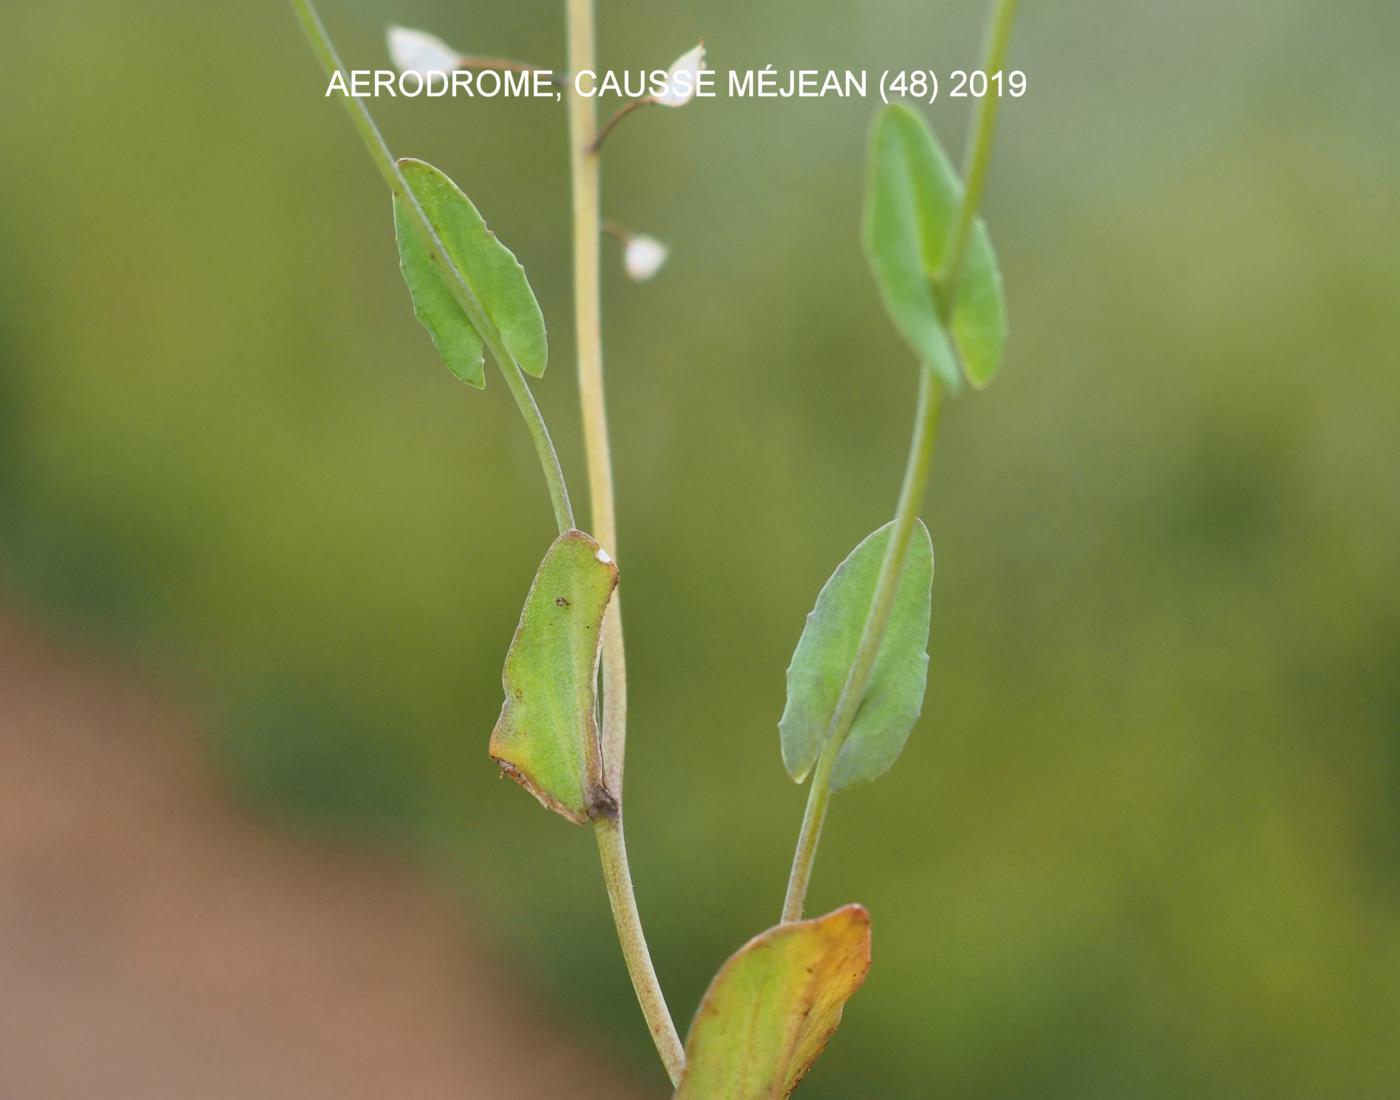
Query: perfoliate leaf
912,196
772,1007
894,693
489,267
547,737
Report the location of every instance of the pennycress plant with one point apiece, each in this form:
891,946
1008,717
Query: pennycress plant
856,682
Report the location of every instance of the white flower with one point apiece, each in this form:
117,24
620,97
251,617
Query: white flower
643,257
418,52
682,77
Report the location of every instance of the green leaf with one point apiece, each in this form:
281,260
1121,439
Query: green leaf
912,197
547,737
454,336
894,693
489,268
772,1007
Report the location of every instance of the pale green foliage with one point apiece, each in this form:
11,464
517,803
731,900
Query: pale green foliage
490,270
822,660
774,1004
912,197
547,738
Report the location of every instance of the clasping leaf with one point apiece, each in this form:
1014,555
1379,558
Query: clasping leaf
772,1007
547,737
912,197
894,693
489,268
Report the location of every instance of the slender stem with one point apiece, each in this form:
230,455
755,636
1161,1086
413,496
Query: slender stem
461,290
911,495
979,151
588,321
612,849
476,63
496,64
979,141
544,446
611,841
617,116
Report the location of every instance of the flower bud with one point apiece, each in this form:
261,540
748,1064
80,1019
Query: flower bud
682,78
643,257
418,52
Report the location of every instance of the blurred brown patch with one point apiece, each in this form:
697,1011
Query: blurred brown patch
157,942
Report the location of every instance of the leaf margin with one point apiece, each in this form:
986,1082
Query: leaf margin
508,739
905,224
849,928
805,721
490,269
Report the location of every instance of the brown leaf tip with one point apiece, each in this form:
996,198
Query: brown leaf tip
545,799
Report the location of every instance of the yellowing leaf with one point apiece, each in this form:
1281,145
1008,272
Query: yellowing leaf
547,737
772,1007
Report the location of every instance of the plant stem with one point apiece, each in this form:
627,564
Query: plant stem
911,495
379,152
612,845
584,172
979,141
979,151
544,446
612,850
496,64
622,112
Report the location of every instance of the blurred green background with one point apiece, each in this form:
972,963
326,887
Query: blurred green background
1145,840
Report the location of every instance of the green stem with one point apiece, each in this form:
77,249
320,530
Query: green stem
979,142
622,112
588,311
612,845
979,151
911,495
383,159
544,446
612,850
